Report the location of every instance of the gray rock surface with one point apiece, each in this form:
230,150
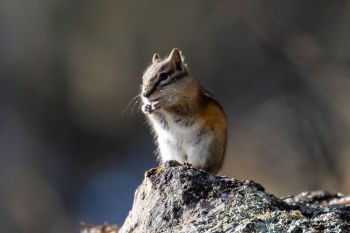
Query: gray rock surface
179,198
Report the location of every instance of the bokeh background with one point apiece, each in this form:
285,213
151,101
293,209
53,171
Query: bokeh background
68,70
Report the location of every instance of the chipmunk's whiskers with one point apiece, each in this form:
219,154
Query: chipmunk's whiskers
129,104
135,103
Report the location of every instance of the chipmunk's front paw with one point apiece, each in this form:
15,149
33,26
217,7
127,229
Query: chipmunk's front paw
146,108
155,105
149,108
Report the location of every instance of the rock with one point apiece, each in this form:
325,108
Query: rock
179,198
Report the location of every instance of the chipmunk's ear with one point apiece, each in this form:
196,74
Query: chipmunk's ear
155,58
175,56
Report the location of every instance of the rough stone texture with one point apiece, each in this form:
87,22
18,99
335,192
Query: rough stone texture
177,198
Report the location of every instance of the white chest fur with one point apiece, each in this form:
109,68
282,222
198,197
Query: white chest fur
181,139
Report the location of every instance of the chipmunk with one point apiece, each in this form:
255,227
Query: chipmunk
190,126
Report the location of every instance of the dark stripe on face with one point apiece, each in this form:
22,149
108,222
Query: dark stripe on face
173,77
156,82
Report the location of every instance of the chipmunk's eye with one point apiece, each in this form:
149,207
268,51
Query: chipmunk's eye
163,76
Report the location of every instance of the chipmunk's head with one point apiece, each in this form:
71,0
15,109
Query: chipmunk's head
166,80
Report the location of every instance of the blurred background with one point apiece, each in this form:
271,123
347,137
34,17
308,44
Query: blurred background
68,70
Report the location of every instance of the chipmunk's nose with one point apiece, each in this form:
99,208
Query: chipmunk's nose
146,93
